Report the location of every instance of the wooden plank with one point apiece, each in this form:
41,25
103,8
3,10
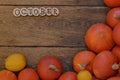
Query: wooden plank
90,2
52,2
68,29
37,2
34,54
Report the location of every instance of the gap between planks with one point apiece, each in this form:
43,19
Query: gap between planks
102,6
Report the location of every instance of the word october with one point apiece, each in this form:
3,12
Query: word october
42,11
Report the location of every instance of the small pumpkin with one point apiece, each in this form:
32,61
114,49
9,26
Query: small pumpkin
114,78
105,65
99,37
112,3
49,68
68,76
113,17
83,60
7,75
116,34
84,75
116,52
28,74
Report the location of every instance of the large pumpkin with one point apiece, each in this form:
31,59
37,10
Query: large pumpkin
105,65
49,68
99,37
116,34
83,60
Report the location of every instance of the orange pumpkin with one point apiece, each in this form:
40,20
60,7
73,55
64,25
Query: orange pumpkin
99,37
68,76
114,78
113,17
116,52
28,74
83,60
7,75
105,65
116,34
112,3
49,68
118,70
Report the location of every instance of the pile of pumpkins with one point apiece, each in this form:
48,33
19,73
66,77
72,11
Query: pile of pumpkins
100,62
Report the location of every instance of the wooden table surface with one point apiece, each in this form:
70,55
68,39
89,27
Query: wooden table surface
35,37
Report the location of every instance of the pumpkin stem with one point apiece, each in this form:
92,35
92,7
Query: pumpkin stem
83,66
117,16
115,66
53,67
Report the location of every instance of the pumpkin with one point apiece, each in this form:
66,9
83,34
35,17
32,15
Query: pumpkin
99,37
113,17
7,75
116,52
68,76
116,34
118,70
49,68
83,60
105,65
112,3
114,78
84,75
28,74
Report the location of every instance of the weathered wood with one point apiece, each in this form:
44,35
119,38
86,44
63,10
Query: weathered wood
67,29
33,54
90,2
52,2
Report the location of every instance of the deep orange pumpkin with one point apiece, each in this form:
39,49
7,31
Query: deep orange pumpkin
99,37
116,52
83,60
114,78
113,17
7,75
105,65
116,34
28,74
112,3
68,76
49,68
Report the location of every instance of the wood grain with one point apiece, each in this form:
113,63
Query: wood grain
68,29
90,2
53,2
33,54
